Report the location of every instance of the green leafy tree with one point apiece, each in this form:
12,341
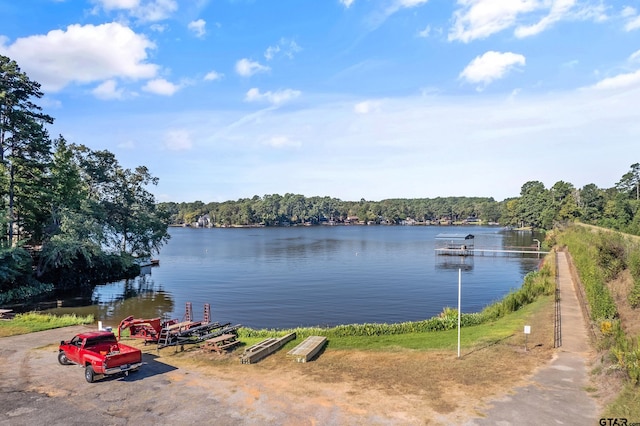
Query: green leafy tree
591,202
630,182
617,212
24,149
534,200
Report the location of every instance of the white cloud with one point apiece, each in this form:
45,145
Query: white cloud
627,12
632,17
410,3
282,142
380,15
160,86
213,76
559,9
247,68
491,66
144,11
633,24
366,107
276,98
285,47
198,27
271,52
425,32
108,90
480,18
621,81
178,140
109,5
347,3
625,80
83,54
159,28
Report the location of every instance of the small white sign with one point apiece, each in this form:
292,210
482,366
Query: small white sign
527,329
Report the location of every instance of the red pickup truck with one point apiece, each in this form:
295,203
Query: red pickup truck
100,354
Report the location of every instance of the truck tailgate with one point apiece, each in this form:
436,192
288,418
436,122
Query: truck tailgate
124,358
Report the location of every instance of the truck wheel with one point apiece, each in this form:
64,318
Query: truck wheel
62,359
89,374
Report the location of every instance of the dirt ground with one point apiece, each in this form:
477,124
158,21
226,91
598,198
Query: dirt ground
402,387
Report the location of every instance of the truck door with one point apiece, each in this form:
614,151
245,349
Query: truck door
73,352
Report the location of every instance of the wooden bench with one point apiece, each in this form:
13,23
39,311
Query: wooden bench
221,343
307,349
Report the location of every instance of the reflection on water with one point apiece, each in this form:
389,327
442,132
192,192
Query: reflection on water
455,262
119,300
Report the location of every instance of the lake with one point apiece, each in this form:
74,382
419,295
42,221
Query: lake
306,276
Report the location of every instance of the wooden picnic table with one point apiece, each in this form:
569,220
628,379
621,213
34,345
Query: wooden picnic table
221,343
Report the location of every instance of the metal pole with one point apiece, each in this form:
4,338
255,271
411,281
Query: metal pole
459,311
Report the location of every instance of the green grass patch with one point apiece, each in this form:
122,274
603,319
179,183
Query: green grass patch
470,337
627,404
31,322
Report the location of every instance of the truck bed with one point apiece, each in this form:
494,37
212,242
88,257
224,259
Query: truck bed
117,355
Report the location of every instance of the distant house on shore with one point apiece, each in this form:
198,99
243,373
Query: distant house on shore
204,221
351,220
408,222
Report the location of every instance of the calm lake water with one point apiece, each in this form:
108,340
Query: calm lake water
306,276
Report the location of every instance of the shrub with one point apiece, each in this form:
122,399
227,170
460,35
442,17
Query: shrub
611,255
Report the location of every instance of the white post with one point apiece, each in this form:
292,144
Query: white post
527,332
99,325
459,311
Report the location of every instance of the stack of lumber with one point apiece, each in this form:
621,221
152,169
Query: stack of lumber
260,350
307,349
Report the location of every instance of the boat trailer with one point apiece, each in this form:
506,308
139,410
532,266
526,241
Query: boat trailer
174,333
177,335
146,329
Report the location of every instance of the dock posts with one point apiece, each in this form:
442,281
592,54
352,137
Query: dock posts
207,313
188,312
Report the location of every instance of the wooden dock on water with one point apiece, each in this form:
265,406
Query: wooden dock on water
307,349
487,252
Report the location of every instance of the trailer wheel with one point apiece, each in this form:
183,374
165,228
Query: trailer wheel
62,358
89,374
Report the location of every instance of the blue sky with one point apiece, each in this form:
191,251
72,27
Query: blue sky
374,99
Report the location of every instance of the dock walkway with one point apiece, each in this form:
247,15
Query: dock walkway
485,252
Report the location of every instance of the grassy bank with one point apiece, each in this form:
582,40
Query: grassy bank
608,265
31,322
